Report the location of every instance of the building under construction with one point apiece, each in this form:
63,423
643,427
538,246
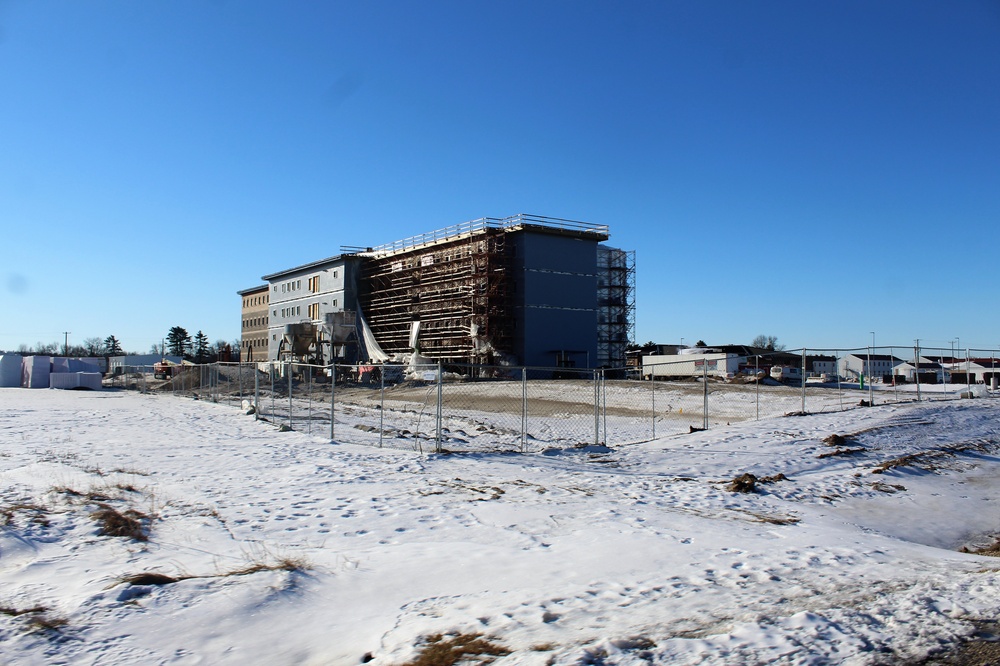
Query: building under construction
524,290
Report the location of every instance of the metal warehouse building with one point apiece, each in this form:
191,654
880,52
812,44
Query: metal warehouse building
525,290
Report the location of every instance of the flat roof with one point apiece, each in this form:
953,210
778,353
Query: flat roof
252,290
305,267
519,222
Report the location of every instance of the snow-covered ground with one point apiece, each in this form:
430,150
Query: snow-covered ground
284,548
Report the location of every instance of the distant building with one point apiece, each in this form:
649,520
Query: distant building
875,366
309,293
929,372
253,336
522,290
139,362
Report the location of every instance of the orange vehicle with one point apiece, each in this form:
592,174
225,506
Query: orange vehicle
164,370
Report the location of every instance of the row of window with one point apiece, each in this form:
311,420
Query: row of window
289,312
294,285
291,285
255,321
253,343
250,301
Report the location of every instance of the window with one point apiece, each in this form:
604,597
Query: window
335,302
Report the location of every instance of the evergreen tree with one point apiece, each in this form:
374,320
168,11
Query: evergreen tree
112,347
179,341
202,352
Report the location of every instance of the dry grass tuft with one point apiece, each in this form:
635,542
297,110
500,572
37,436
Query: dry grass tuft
129,524
744,483
38,513
991,550
290,564
840,452
835,440
47,623
439,650
14,612
149,578
130,470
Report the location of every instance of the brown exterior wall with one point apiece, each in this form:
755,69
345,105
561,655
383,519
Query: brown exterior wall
253,339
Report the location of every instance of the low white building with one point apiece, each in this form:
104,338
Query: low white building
928,370
709,362
876,366
119,364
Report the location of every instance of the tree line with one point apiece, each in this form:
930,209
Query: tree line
90,347
178,343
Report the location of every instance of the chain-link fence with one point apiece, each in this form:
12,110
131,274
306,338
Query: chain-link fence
502,408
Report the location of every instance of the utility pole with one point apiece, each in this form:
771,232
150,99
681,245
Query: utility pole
66,342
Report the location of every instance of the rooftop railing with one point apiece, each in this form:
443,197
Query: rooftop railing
473,226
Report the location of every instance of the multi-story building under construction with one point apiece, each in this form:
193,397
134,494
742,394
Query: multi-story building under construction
524,290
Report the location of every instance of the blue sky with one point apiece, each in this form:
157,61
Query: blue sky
814,171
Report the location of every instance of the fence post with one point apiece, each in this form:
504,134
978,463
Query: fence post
309,396
604,407
524,409
256,395
803,380
288,378
704,383
756,375
437,420
333,392
597,410
381,406
652,386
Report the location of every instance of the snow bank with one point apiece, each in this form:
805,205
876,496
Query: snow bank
288,549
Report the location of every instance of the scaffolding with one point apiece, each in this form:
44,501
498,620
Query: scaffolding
615,305
459,284
456,286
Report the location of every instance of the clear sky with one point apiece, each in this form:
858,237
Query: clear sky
810,170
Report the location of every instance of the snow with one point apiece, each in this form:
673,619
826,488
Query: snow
615,555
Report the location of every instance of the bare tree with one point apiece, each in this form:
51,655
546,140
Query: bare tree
93,346
768,342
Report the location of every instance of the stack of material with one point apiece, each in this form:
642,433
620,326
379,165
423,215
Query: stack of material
76,380
35,371
60,364
10,370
